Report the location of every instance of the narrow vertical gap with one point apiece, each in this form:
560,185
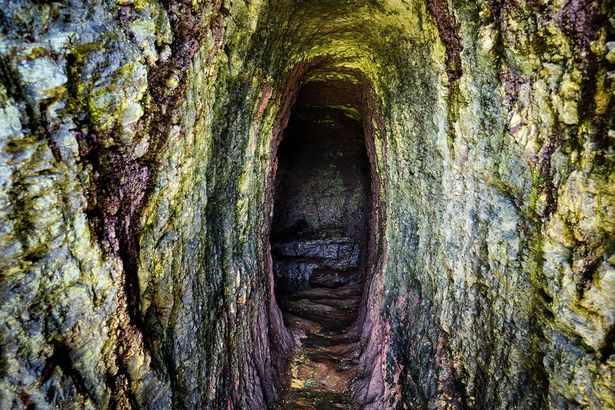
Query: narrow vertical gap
319,240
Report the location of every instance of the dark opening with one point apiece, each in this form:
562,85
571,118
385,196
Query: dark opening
319,237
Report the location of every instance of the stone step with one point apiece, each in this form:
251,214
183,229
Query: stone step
312,333
345,355
325,364
319,312
297,273
321,262
351,290
329,338
338,251
332,278
307,399
301,326
348,303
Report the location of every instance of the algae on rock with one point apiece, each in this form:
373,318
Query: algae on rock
137,147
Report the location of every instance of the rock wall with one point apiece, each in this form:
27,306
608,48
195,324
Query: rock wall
124,285
321,206
138,144
322,177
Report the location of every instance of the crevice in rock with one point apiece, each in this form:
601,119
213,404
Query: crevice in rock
61,359
320,239
121,182
448,29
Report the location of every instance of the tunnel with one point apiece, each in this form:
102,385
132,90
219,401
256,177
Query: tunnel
331,204
319,239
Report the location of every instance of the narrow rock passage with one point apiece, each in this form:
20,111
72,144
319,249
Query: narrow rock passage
172,172
323,367
319,243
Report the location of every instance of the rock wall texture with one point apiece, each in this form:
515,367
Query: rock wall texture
322,199
322,177
138,140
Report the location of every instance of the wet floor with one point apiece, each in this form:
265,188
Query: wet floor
323,368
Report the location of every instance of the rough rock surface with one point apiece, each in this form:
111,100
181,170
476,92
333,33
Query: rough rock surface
324,262
137,154
324,366
321,194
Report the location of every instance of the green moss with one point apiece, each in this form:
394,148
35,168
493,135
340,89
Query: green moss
463,233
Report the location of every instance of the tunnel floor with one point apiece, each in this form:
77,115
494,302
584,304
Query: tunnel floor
318,243
322,369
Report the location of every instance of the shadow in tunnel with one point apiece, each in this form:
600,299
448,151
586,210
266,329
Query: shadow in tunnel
319,240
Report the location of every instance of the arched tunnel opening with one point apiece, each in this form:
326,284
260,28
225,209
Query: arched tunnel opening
319,237
375,204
